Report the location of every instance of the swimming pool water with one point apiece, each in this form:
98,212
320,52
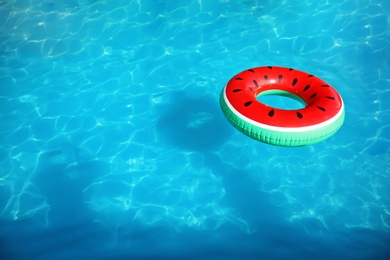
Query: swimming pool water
113,145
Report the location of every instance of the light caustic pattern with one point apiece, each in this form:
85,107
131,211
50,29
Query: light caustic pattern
94,119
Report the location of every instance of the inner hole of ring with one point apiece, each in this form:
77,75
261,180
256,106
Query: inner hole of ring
281,99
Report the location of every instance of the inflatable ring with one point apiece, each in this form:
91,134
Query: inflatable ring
321,117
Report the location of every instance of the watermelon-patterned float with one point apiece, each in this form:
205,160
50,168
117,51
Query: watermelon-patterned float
321,117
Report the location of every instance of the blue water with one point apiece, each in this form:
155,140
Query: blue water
113,144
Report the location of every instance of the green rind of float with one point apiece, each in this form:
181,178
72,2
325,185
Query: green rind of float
281,138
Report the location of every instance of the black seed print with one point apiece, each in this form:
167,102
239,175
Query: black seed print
330,97
251,70
248,103
271,113
313,95
237,90
280,78
254,81
239,79
266,78
310,76
306,88
299,115
321,108
295,81
325,86
291,69
270,67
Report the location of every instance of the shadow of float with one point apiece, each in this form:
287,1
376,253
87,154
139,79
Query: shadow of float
193,123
